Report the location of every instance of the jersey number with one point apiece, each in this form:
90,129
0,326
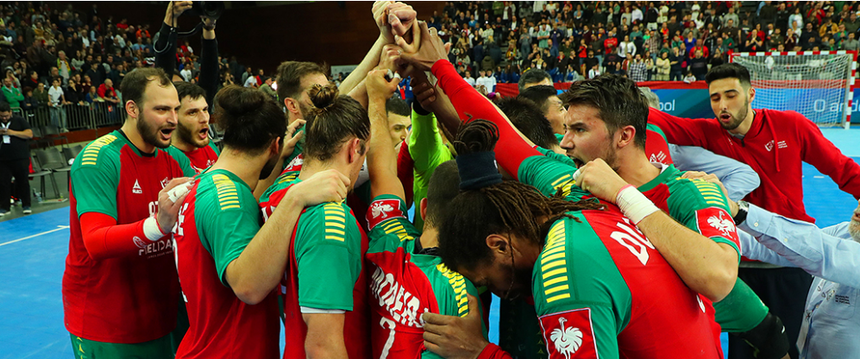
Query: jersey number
388,343
630,237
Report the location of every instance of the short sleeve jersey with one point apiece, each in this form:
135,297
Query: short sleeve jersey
325,270
601,289
404,285
696,204
203,157
656,146
218,219
101,297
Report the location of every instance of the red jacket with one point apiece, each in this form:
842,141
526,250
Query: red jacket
774,147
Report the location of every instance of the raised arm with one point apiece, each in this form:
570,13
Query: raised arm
381,158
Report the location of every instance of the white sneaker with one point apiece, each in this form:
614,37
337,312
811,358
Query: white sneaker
27,210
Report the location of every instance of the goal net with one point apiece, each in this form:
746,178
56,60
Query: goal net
817,84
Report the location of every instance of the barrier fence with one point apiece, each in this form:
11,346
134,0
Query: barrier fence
74,116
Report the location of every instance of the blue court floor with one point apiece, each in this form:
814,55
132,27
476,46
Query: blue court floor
33,251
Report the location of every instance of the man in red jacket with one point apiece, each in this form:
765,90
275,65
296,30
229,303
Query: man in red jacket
773,143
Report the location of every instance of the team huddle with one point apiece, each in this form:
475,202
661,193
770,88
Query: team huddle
601,239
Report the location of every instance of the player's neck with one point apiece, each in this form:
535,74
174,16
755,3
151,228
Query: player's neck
311,167
130,131
247,168
636,169
430,237
182,145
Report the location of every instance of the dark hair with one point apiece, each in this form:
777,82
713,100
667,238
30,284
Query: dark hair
249,118
444,185
539,95
134,83
187,89
290,74
729,71
617,100
398,107
508,207
529,119
4,107
533,76
334,120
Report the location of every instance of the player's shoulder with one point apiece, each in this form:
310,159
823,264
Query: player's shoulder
222,191
181,159
284,181
333,219
695,193
451,286
101,151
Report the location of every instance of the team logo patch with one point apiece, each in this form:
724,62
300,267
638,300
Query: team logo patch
295,164
383,209
164,182
138,242
569,334
716,222
658,157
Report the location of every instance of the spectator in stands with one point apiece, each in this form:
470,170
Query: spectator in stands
11,93
534,77
675,67
73,93
29,102
690,78
699,66
41,94
663,67
468,77
56,101
93,95
637,70
850,44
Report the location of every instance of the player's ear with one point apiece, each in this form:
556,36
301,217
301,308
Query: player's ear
752,93
627,135
422,208
292,106
499,245
275,147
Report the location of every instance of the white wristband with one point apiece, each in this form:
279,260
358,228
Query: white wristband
152,230
634,204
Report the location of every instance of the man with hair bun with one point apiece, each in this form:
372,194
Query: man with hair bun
325,285
120,289
228,264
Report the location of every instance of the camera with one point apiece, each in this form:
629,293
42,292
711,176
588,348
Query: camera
210,9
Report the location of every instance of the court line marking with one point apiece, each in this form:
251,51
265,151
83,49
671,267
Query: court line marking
59,228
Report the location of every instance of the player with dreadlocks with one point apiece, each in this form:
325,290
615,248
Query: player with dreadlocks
561,285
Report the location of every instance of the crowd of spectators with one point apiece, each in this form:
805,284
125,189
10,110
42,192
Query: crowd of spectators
644,40
54,56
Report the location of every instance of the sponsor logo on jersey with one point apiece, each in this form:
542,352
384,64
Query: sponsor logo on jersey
401,304
658,157
138,242
157,248
164,182
295,164
769,146
136,188
782,144
569,334
383,209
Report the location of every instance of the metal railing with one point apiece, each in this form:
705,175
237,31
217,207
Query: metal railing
74,116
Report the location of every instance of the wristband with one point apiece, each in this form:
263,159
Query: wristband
152,230
634,204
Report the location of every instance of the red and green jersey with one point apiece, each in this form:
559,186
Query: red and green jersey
656,146
130,299
203,157
602,290
325,271
405,285
216,222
